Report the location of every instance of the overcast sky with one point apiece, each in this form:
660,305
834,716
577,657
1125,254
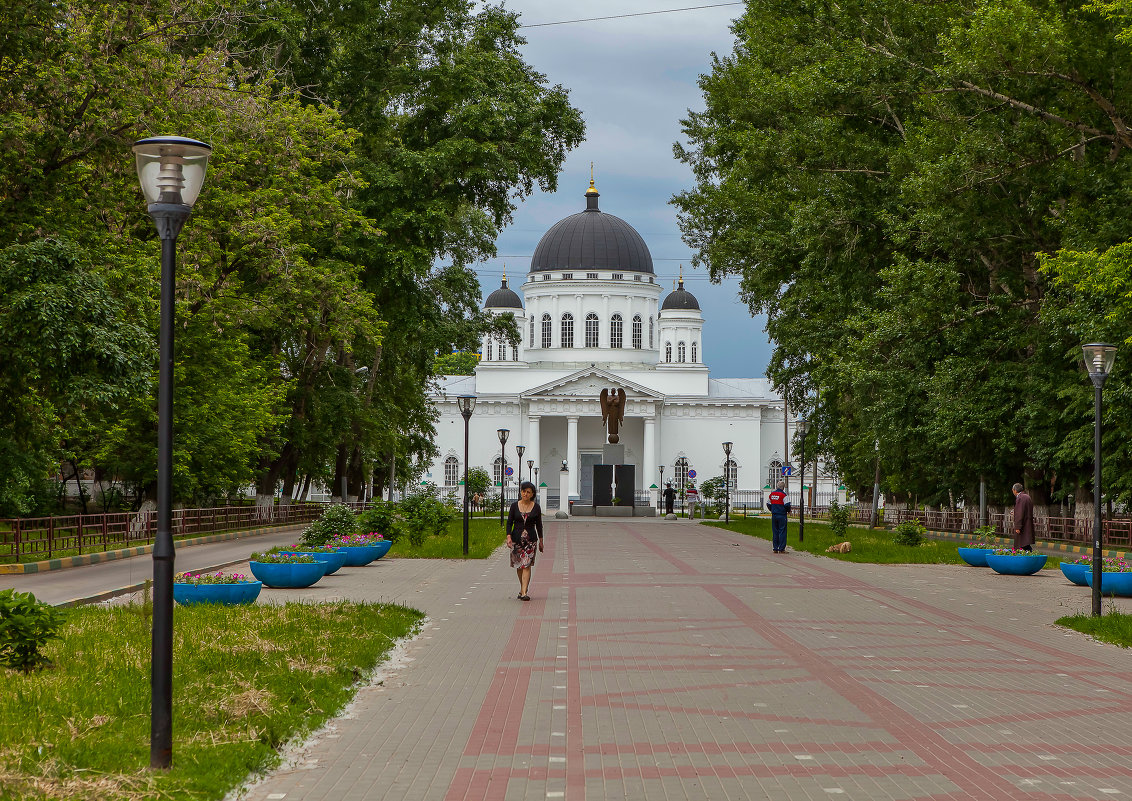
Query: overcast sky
633,79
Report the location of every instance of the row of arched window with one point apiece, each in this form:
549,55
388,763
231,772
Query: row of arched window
680,479
591,331
494,347
452,471
681,353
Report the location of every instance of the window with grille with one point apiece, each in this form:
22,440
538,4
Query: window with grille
681,469
451,471
680,353
567,276
592,276
547,328
546,276
531,341
489,350
774,473
615,331
567,332
497,471
650,333
637,331
591,330
694,353
636,278
731,471
668,352
617,276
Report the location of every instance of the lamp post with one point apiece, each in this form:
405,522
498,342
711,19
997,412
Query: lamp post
520,449
564,488
171,172
660,495
530,470
467,404
1099,359
502,432
538,492
803,427
727,481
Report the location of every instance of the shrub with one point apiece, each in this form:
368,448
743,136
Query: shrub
380,518
25,626
336,521
910,533
423,514
838,519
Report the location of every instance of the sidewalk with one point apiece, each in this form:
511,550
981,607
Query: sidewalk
665,660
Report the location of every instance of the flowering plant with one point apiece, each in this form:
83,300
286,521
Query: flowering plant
282,558
355,540
1115,565
984,538
211,578
303,549
1014,552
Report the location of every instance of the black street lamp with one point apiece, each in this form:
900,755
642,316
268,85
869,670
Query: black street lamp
727,481
1099,359
536,483
502,432
803,427
520,450
660,493
171,172
467,404
530,468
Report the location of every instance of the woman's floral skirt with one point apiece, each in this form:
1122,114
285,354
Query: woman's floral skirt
523,554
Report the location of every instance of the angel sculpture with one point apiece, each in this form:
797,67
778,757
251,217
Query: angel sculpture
612,411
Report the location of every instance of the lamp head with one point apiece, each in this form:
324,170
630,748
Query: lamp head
1099,358
171,168
503,432
467,404
564,470
530,464
803,425
519,450
727,448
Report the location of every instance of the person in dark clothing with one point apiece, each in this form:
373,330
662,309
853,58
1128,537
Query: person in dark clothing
669,498
1023,519
524,532
779,507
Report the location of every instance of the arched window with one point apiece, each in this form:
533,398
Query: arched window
497,471
489,350
668,351
547,326
681,469
774,473
615,331
695,353
451,471
650,333
591,330
531,341
567,330
731,472
681,353
514,353
637,331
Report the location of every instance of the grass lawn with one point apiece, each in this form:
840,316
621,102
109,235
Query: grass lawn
874,546
246,679
484,536
1115,627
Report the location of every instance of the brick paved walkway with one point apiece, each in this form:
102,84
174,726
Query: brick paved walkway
668,661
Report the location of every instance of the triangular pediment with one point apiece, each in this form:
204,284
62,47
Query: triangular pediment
588,383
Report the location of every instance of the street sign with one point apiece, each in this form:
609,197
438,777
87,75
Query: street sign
510,471
787,470
691,474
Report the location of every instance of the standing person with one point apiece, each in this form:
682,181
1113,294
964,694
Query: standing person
779,507
1023,519
524,530
669,498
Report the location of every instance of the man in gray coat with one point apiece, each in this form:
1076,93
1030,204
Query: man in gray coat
1023,519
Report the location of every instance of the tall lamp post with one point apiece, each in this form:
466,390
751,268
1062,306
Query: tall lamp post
171,172
467,404
727,481
502,432
519,450
1099,359
660,495
530,471
803,426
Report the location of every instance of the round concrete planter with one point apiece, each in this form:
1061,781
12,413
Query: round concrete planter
335,560
361,555
1078,574
1113,583
974,556
228,594
289,576
1016,565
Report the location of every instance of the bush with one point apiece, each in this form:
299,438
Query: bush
25,626
381,518
424,514
838,519
910,533
336,521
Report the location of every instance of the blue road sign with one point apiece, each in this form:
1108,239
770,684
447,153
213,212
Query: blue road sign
510,472
787,470
691,474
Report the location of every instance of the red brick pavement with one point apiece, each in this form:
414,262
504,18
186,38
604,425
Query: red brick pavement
669,661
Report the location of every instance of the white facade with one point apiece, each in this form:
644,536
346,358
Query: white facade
585,329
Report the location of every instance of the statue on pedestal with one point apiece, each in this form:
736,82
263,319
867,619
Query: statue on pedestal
612,411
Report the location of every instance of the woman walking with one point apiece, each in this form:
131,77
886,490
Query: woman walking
524,531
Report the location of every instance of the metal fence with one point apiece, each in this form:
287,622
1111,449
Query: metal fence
1114,533
36,538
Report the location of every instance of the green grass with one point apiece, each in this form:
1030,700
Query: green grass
1115,627
246,679
872,546
484,536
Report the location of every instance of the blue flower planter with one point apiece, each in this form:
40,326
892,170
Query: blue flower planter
358,555
227,594
974,556
335,560
1078,574
289,576
1016,565
1113,583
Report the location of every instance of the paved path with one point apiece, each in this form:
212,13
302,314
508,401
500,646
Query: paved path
664,660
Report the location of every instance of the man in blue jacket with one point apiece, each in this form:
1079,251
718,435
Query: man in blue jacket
779,507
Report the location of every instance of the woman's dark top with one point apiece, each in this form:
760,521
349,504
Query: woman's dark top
533,524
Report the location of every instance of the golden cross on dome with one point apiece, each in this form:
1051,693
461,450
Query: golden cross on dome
593,189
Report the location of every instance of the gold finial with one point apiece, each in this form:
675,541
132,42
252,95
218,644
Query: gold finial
504,273
681,276
593,189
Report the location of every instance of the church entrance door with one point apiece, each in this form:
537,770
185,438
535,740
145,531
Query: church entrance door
586,479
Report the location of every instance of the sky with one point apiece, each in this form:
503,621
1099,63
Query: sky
633,79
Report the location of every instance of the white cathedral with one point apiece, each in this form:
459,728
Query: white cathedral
592,317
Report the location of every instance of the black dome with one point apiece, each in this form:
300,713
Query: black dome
592,240
680,298
503,298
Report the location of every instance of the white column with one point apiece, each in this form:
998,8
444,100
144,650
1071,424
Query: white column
648,469
572,454
533,446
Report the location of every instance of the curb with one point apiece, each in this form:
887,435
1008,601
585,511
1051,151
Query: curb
124,553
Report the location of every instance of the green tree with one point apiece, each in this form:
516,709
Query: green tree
459,363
